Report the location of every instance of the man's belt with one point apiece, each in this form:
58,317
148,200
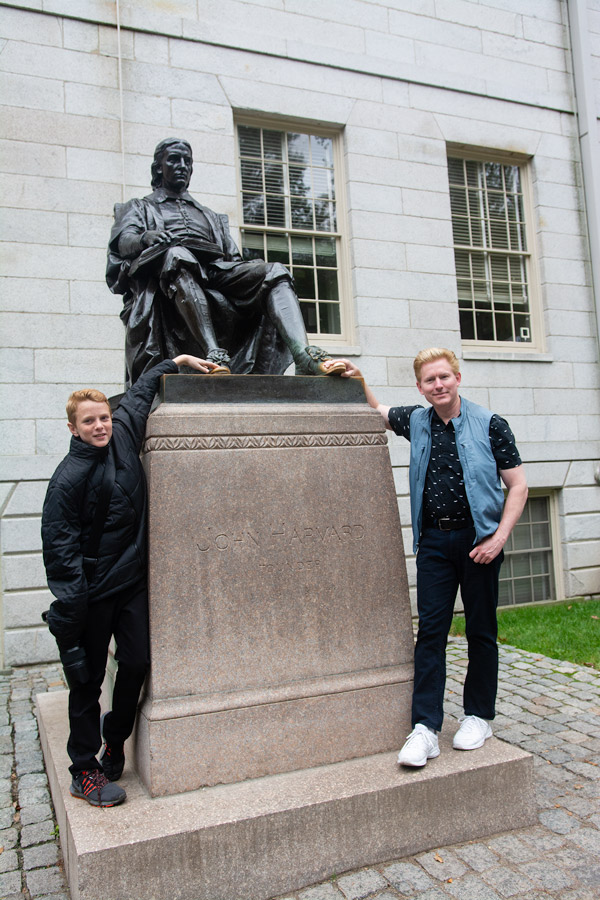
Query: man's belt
446,523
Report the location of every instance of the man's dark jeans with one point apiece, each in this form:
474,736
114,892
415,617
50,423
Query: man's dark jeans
443,564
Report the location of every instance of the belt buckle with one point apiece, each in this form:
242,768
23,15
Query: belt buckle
444,520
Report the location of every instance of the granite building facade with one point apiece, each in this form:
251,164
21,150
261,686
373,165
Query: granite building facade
429,171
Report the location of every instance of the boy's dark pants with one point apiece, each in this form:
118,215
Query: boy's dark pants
124,615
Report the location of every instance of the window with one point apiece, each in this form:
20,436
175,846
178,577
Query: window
492,251
291,215
527,574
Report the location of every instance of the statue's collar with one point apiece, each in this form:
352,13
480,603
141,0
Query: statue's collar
160,195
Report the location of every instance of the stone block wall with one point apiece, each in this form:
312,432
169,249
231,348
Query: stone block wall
83,106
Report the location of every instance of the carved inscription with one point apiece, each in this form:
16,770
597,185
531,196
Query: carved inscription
295,547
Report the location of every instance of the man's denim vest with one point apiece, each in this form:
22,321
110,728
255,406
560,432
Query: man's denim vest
480,470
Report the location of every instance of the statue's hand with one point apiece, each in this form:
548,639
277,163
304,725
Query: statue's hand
155,237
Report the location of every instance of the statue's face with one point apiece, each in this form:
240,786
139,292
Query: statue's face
176,168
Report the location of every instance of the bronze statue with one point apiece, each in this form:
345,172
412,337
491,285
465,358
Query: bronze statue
187,290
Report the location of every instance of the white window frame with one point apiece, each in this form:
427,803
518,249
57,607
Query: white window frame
510,349
342,342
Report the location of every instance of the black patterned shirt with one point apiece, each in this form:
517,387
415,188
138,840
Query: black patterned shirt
444,493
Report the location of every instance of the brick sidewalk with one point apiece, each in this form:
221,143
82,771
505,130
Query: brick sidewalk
548,707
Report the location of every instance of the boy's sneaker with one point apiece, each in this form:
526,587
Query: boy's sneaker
112,756
473,733
93,785
421,745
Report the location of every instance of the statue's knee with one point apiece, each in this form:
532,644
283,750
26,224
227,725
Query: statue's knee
278,272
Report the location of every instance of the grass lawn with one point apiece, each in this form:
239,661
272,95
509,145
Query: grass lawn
568,630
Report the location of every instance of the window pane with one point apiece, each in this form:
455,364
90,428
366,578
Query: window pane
505,593
455,171
539,563
302,251
254,209
252,246
485,326
309,314
522,590
300,181
323,184
275,211
273,144
467,325
274,178
541,534
302,213
327,284
521,565
249,139
325,216
538,509
278,249
504,327
329,318
523,328
325,252
521,537
322,151
460,230
299,148
252,179
541,589
493,176
305,282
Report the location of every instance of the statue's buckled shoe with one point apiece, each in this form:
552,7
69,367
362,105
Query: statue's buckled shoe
222,360
311,362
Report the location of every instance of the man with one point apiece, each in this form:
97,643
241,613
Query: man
186,287
460,521
94,543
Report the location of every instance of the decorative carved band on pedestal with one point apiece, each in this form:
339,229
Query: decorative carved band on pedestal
258,441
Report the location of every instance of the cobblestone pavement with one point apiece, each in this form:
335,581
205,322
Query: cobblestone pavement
548,707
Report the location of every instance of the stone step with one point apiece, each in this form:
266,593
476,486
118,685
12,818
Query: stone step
263,837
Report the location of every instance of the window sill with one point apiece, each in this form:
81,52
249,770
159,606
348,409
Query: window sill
338,349
507,355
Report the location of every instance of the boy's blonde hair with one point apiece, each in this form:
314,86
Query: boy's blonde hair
431,355
78,397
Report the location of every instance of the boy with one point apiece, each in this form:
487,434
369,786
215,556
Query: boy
94,543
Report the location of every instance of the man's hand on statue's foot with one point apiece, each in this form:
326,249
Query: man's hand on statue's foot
314,361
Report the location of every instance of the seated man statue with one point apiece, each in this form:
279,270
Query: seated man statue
187,290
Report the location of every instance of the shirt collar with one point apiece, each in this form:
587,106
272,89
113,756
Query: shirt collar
160,195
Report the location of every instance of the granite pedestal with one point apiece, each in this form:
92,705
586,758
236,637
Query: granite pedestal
280,624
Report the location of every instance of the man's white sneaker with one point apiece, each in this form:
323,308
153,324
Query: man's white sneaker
473,733
421,745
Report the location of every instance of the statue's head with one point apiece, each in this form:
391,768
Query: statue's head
172,164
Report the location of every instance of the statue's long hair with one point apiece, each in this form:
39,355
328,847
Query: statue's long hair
156,168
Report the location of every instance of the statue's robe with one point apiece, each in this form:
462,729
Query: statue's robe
154,329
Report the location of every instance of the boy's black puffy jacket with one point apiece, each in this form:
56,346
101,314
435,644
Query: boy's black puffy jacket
69,512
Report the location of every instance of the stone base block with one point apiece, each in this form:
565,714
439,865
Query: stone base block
263,837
